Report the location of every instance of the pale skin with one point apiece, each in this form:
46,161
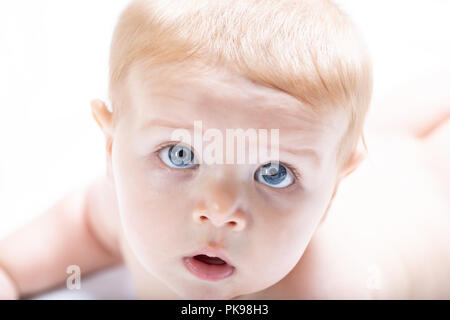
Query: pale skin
149,216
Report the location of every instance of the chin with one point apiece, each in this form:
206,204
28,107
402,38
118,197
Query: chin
206,293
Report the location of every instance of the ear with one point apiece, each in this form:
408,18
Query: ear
355,160
104,119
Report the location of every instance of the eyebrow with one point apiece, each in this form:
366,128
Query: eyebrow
165,123
305,151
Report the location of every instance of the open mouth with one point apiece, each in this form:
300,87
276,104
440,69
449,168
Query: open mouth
209,260
209,268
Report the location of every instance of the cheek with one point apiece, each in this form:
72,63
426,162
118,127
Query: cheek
273,247
282,233
151,206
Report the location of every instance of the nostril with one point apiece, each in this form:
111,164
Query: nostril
203,218
232,223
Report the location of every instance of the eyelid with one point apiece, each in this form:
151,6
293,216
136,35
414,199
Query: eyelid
166,144
294,171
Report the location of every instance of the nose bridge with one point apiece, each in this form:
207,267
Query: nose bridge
221,194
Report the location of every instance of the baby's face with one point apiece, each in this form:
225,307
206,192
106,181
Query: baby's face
172,209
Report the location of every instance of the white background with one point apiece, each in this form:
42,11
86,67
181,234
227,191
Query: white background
54,60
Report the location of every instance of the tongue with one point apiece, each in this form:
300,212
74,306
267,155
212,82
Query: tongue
209,260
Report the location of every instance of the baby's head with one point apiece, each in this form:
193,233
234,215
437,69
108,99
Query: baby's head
297,66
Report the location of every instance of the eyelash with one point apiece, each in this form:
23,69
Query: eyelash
293,170
171,143
166,144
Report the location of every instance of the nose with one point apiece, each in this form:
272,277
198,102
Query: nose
221,208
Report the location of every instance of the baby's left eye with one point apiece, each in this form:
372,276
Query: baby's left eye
275,175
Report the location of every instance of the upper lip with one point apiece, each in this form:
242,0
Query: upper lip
211,253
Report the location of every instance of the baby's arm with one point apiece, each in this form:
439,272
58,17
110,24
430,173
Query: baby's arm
74,231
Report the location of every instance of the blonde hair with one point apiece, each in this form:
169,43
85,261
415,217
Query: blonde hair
307,48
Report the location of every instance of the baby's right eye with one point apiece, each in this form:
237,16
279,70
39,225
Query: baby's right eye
178,156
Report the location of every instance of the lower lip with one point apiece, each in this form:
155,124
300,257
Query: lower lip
206,271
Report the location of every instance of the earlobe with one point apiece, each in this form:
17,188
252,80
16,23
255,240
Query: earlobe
102,116
104,119
358,155
354,162
325,215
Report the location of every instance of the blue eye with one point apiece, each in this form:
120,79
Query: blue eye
274,175
178,156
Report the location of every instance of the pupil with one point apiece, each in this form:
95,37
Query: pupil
274,173
178,156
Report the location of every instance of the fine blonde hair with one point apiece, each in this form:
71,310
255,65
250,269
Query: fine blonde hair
309,49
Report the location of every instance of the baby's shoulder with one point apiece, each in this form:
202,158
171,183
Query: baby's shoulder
386,232
339,264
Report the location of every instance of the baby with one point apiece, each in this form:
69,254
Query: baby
188,228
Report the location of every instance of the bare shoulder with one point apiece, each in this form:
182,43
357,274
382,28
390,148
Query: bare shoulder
103,213
343,264
386,235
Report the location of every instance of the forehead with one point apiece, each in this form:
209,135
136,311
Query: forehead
225,100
